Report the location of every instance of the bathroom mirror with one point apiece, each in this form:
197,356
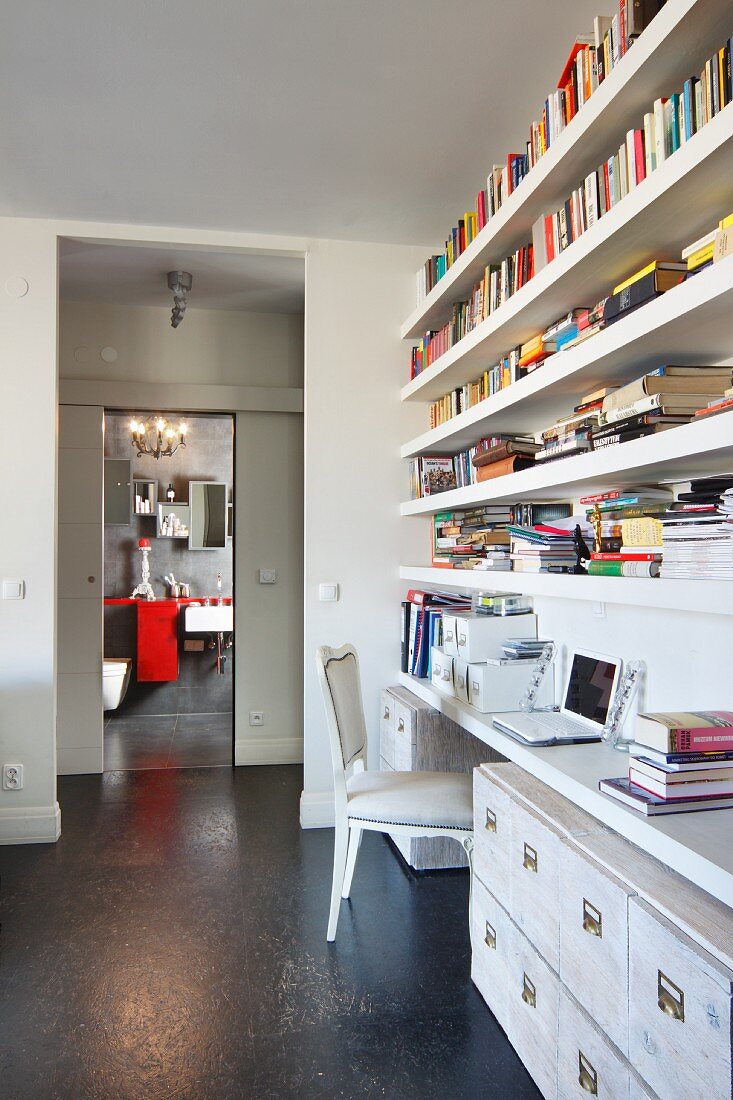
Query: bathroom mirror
208,504
118,491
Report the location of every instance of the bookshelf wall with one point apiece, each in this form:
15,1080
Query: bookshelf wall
672,206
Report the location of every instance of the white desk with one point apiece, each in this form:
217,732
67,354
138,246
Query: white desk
696,845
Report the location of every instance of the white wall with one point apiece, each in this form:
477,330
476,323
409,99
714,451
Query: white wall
213,346
28,511
356,298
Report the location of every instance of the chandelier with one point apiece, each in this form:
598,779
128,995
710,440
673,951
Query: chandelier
157,438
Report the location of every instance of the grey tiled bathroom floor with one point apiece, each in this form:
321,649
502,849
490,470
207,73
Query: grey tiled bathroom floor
167,741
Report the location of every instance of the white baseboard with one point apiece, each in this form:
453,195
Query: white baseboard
30,825
85,761
316,810
268,750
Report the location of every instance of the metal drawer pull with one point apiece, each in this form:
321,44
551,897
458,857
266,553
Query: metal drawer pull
587,1076
529,993
461,639
490,937
386,712
671,999
401,726
448,636
446,674
490,820
592,919
530,858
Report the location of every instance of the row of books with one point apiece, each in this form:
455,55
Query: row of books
431,474
421,626
498,284
591,59
583,322
680,761
670,123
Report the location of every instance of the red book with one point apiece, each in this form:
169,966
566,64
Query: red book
686,731
549,238
627,557
481,209
622,27
583,319
612,494
581,43
639,155
607,185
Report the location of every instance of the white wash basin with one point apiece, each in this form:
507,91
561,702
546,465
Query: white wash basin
216,618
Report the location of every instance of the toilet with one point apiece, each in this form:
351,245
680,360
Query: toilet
115,678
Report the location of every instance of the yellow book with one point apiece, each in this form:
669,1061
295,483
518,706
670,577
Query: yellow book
702,256
533,345
635,278
644,531
725,223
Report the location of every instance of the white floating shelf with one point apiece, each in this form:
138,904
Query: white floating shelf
699,846
658,63
662,215
707,596
689,324
691,450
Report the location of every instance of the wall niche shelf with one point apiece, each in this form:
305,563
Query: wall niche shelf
145,496
177,508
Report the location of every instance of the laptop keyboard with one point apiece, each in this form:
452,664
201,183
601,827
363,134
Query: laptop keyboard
562,726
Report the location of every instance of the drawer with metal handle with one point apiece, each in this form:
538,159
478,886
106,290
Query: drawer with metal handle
533,999
588,1064
490,942
594,940
492,831
534,891
679,1009
386,727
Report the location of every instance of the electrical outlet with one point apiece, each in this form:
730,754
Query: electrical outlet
257,718
12,777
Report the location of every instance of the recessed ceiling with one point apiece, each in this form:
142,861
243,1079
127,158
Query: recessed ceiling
351,119
135,275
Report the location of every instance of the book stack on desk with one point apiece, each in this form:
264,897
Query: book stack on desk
681,761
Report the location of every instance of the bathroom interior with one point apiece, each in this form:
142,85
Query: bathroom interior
208,372
168,583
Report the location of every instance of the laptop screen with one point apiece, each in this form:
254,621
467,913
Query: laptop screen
589,687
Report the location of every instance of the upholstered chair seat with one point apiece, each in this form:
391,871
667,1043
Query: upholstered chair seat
437,800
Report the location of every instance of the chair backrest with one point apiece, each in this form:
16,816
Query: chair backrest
338,672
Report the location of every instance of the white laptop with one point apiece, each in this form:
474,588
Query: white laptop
587,693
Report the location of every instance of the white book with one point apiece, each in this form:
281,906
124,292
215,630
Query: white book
615,42
591,198
631,159
623,172
660,145
649,143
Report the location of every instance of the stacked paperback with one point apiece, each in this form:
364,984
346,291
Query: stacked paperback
542,549
630,531
476,538
679,762
662,399
573,434
697,532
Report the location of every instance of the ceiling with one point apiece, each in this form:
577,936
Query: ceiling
135,275
352,119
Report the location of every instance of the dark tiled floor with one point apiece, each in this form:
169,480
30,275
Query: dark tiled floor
168,741
172,944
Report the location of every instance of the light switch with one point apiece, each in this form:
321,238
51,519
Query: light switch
328,592
13,589
268,576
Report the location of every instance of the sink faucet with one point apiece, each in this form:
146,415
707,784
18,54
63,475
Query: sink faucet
219,598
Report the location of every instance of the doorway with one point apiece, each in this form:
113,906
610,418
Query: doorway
168,670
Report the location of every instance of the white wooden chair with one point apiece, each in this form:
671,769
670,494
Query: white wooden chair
401,803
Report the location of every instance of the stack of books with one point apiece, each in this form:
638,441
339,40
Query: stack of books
679,762
662,399
573,434
643,286
711,247
505,458
541,549
719,405
697,532
629,522
476,538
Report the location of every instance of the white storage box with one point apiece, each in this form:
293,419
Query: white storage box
442,671
499,687
460,679
480,637
450,639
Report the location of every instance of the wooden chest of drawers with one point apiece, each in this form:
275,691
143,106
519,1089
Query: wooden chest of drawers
618,978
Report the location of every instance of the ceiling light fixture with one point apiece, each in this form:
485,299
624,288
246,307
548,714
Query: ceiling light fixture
157,437
180,283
